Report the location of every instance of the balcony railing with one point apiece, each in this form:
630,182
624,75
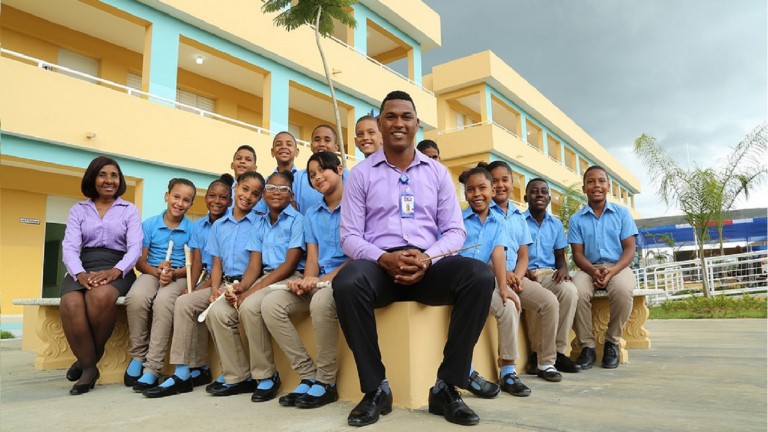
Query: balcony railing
149,96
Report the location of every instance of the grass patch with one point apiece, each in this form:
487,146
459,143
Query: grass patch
713,307
6,335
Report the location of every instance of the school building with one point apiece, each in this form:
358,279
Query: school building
170,88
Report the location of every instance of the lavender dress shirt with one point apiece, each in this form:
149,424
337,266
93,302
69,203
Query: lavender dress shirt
120,229
371,221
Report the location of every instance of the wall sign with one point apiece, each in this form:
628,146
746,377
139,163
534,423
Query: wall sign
29,221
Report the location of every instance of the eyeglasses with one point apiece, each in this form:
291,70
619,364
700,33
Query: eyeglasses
277,189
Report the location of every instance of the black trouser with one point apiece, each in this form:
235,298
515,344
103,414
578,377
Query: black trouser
363,285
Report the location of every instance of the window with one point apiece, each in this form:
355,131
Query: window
533,133
518,187
570,159
583,165
554,148
78,62
557,201
134,81
615,189
195,100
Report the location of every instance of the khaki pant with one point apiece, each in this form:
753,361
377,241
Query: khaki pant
190,338
146,301
567,298
619,289
276,309
542,304
223,321
508,322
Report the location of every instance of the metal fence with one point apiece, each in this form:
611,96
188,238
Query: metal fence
745,273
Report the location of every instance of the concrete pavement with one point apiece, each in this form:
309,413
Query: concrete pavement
700,375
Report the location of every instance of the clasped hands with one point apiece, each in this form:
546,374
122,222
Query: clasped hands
407,266
601,276
90,280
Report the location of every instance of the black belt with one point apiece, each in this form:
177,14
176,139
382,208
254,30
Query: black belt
232,279
401,248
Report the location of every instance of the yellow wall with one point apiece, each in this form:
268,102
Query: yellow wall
21,247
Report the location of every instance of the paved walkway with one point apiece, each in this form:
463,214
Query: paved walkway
700,375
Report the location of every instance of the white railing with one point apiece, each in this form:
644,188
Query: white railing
745,273
149,96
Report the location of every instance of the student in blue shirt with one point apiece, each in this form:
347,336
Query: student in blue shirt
484,227
324,260
189,347
284,150
276,248
602,237
227,244
547,265
149,303
533,297
243,161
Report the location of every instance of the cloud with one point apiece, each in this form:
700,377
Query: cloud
689,72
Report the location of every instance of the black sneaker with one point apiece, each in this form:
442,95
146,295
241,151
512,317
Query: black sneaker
481,387
202,379
565,364
610,355
512,384
586,358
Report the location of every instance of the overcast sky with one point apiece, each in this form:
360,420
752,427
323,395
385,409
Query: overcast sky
689,72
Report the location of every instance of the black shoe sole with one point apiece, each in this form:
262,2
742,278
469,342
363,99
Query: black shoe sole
610,366
162,394
585,367
438,411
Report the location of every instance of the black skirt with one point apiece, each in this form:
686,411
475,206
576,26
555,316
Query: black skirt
95,259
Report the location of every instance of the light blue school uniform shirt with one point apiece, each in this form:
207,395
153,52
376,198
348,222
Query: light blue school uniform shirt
274,240
601,236
321,227
228,241
547,238
490,234
261,206
201,230
517,232
156,238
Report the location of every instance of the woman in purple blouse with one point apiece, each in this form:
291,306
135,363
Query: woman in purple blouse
102,243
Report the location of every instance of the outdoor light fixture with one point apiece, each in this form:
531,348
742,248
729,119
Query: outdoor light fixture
199,59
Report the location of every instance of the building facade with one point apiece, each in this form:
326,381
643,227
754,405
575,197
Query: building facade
170,88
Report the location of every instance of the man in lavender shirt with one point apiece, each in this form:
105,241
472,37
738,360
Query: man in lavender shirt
399,209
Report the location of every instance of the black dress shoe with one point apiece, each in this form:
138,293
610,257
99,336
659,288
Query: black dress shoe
610,355
219,389
549,374
74,372
565,364
308,401
269,394
202,379
130,380
481,387
532,366
289,400
139,387
512,384
586,358
79,389
367,411
179,386
448,403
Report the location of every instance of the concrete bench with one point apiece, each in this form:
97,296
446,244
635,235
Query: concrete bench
634,336
411,337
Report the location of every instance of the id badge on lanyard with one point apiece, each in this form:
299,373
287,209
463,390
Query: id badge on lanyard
407,200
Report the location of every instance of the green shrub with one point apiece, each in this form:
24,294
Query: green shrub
6,335
713,307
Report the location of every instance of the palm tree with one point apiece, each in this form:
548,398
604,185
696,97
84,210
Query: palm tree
704,194
321,14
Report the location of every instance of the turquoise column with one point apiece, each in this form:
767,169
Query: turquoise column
416,63
278,101
488,104
544,142
163,59
361,30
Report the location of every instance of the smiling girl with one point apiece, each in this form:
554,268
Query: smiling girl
149,303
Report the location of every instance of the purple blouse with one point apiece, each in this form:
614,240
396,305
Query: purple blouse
120,229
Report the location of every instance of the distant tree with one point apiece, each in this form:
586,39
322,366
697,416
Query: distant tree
701,192
321,14
572,201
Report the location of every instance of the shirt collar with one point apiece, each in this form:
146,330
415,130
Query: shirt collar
609,207
288,212
527,214
117,202
251,215
183,225
379,157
